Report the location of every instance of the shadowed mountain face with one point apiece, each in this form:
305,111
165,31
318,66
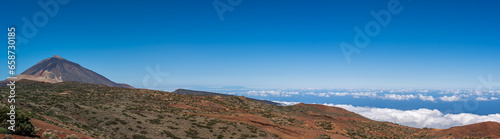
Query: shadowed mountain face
57,69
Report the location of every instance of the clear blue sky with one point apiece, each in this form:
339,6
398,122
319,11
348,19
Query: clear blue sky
268,44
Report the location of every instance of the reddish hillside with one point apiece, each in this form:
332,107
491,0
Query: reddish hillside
110,112
484,129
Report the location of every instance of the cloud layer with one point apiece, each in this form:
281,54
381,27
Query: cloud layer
420,118
438,95
450,98
415,118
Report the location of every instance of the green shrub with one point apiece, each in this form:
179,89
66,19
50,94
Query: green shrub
72,136
111,123
192,133
50,135
169,134
46,134
23,125
3,130
155,121
8,136
36,130
171,127
54,136
123,122
324,137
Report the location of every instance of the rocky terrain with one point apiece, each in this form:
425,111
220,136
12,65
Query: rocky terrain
98,111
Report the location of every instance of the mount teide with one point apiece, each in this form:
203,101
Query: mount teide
57,69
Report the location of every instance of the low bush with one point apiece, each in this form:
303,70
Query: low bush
8,136
72,136
23,125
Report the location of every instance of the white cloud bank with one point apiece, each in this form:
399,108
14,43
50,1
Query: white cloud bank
486,99
426,98
398,97
285,103
450,98
408,97
415,118
374,95
420,118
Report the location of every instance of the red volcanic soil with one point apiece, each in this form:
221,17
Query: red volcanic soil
288,132
44,126
16,136
484,129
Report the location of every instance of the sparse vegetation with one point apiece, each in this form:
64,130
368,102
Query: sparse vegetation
72,136
50,135
192,133
107,112
23,125
3,130
169,134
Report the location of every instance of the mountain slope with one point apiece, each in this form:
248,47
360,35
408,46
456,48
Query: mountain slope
484,129
57,69
204,93
101,111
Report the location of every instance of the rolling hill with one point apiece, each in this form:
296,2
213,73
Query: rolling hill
98,111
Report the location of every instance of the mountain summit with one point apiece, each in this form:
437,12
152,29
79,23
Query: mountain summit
57,69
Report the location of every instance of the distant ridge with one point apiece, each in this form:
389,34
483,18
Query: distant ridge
204,93
57,69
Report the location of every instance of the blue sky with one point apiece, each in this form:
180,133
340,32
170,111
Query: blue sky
268,44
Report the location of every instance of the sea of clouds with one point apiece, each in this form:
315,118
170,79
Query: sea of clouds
386,94
419,118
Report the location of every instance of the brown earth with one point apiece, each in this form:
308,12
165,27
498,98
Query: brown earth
44,126
92,111
484,129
